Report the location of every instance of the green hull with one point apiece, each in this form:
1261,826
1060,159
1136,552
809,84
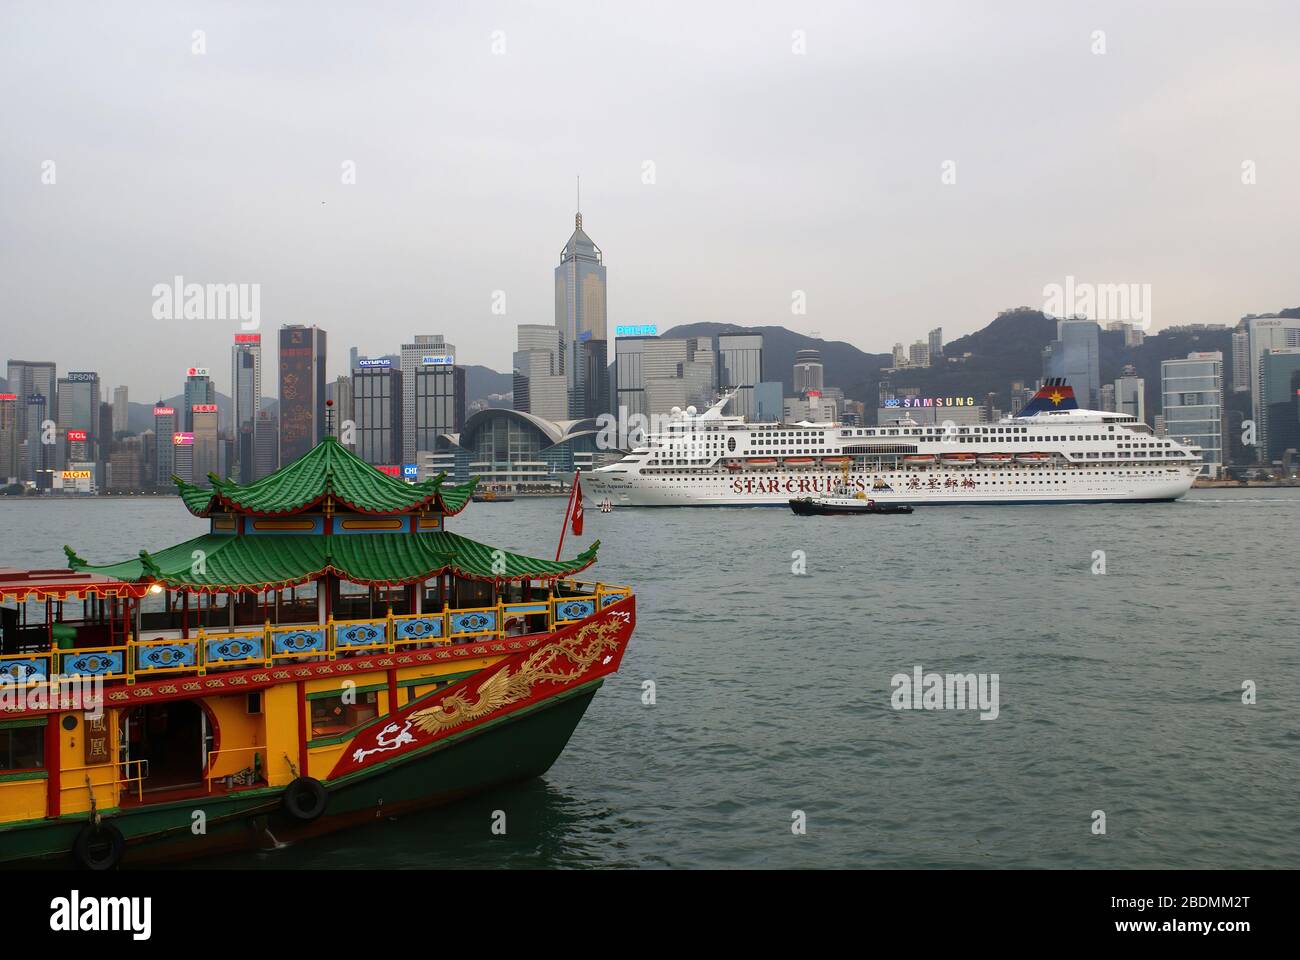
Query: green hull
516,747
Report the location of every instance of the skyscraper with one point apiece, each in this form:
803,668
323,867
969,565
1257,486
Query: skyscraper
808,371
302,390
540,384
740,365
121,410
207,454
9,459
433,393
28,378
199,388
1276,370
377,409
164,429
1240,359
580,314
246,379
78,415
266,445
1130,394
1191,393
1267,333
936,344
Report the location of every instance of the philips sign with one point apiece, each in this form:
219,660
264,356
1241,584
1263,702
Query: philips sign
643,330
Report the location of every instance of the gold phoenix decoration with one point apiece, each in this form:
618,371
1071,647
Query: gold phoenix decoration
504,688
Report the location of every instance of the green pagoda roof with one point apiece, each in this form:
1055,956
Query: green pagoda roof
328,470
233,562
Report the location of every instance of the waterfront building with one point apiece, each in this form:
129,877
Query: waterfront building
165,428
433,392
1277,369
377,410
126,465
1268,332
205,444
343,414
580,315
1192,400
1075,356
655,374
121,410
199,389
517,449
1130,394
78,414
809,374
1108,397
9,450
740,367
183,456
769,401
246,379
541,386
1241,359
302,390
266,445
30,378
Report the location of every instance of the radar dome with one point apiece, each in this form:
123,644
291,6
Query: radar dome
690,411
675,412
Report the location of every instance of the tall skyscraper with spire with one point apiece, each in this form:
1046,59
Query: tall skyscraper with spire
581,316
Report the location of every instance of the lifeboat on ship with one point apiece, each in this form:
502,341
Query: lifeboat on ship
995,459
957,459
918,459
762,462
836,461
733,465
1035,457
799,461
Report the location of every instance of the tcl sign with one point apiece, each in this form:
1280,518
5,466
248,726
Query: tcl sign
74,435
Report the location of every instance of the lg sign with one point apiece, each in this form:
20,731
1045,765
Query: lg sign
197,372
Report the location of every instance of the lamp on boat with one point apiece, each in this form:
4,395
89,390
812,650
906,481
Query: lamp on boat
155,589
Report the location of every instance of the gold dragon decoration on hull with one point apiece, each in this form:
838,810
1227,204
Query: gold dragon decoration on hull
505,687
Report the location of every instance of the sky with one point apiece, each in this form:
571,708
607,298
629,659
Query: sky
888,167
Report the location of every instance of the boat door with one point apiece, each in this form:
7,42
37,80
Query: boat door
173,738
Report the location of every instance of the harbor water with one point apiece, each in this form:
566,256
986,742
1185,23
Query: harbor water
768,644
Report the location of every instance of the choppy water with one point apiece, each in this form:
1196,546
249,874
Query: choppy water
1119,692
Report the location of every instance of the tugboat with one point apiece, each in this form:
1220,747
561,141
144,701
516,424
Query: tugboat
324,652
843,501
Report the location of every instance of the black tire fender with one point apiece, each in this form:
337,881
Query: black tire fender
99,846
305,799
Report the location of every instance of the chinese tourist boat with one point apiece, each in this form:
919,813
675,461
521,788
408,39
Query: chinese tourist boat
326,652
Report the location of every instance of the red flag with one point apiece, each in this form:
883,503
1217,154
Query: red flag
577,507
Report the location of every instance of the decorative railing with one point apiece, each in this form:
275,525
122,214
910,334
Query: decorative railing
207,650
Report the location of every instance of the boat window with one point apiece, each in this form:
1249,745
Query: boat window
22,748
331,715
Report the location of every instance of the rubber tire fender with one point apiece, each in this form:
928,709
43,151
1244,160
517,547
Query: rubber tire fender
92,835
305,799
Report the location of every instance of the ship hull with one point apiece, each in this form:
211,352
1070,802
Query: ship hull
519,747
991,486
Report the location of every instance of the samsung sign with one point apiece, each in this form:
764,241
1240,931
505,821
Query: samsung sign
930,402
644,330
438,360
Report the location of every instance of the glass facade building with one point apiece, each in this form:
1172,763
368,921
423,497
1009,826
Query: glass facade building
580,315
377,408
740,365
302,390
1191,393
1075,355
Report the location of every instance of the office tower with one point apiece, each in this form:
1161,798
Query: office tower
164,430
808,371
1240,359
29,378
9,418
343,409
1134,336
900,355
41,447
78,414
246,379
302,390
433,393
207,452
199,389
580,314
918,355
439,406
377,409
540,383
1107,397
1191,393
1276,370
1267,333
740,365
121,411
936,344
266,445
183,456
1130,394
1075,355
126,465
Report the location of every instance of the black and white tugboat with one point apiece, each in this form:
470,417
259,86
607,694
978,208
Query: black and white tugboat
842,501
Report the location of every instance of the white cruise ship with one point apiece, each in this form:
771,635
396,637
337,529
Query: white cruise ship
1050,452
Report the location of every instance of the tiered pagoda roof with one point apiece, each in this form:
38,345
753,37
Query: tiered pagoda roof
330,476
328,472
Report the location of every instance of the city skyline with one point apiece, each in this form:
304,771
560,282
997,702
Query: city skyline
151,177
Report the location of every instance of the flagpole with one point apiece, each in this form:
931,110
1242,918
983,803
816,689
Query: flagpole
567,510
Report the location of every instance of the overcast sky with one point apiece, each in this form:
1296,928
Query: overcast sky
774,171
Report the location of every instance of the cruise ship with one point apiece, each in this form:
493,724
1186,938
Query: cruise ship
1052,451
